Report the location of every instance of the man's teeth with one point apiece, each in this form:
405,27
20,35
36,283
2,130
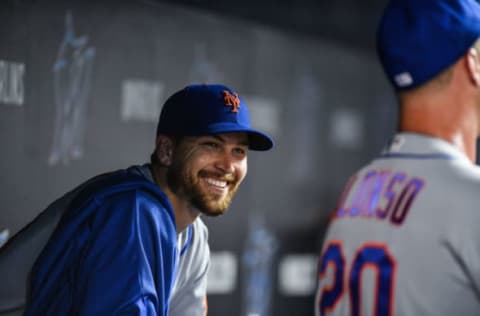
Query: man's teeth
217,183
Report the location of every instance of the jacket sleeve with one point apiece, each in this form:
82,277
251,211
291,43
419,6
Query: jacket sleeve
129,264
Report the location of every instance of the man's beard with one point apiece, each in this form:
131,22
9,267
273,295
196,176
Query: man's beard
188,186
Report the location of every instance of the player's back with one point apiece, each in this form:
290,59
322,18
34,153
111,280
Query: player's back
404,239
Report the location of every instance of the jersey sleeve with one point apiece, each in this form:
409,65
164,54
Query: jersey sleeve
129,264
190,292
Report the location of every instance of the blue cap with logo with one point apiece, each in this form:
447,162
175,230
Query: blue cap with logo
418,39
208,109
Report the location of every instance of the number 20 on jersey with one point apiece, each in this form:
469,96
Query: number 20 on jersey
370,255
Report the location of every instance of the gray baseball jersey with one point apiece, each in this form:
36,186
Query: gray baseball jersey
405,237
18,255
190,289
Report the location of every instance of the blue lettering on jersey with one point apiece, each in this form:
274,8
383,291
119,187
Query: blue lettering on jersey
380,194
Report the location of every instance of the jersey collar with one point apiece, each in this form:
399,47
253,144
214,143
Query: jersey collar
421,146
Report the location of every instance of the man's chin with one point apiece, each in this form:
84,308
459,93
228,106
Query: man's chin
213,212
213,204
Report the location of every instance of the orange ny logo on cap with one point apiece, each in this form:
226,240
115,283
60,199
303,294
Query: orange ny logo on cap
231,100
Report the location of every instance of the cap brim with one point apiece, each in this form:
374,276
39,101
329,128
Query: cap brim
259,141
256,140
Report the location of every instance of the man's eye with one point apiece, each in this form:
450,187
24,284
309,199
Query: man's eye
211,144
240,151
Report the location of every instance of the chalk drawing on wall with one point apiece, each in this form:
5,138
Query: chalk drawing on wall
12,87
4,234
203,70
258,259
72,76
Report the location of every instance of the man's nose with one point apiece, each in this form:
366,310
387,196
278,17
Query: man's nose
226,163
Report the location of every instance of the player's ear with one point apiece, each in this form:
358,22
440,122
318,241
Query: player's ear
473,65
164,150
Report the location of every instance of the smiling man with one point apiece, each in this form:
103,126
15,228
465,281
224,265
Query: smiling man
131,241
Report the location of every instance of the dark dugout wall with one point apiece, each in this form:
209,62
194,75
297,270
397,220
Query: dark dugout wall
81,86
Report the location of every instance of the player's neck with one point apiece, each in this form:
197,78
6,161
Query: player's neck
454,123
445,108
185,214
183,211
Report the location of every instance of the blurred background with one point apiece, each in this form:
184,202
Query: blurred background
82,84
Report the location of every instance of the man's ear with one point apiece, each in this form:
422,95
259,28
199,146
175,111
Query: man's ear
164,150
473,62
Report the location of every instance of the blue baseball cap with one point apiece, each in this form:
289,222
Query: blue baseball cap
418,39
206,109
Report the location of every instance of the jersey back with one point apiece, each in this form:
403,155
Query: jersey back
404,238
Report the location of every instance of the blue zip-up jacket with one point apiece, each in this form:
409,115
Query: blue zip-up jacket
114,252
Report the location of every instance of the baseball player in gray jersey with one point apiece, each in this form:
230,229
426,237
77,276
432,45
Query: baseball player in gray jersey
405,237
131,241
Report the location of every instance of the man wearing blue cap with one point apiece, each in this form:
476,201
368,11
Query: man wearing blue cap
131,242
405,238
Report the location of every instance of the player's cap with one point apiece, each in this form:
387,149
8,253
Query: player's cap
207,110
417,39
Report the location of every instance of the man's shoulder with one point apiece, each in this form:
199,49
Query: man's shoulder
113,194
117,182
